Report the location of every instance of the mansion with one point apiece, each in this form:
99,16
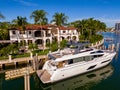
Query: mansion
43,34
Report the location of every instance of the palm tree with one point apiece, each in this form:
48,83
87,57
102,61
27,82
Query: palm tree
60,19
39,17
20,22
4,32
1,16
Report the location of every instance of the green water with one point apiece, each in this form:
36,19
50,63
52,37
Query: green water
81,82
106,78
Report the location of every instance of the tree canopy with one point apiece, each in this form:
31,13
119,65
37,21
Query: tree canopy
88,28
39,17
60,19
89,24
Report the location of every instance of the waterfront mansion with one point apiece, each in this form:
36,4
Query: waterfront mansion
43,34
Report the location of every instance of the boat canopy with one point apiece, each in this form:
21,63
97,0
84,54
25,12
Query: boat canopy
74,56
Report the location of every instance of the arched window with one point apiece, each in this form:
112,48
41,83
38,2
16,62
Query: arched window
39,41
38,34
74,37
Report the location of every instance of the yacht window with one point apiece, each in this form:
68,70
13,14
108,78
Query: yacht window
105,61
70,61
99,51
51,57
95,56
91,67
78,59
60,65
87,58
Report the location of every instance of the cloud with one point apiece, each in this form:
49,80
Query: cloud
110,21
27,3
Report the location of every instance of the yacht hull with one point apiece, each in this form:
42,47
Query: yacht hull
74,69
77,69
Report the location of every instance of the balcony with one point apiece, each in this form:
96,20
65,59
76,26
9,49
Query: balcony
48,35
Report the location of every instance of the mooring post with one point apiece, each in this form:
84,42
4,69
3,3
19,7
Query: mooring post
10,57
34,63
36,60
31,55
27,80
117,48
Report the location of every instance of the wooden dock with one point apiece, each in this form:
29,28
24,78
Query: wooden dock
16,61
12,74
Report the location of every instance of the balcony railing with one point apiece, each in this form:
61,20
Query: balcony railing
68,33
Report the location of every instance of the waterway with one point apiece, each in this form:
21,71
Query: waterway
107,78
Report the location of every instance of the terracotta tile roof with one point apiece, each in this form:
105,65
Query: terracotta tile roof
36,27
43,27
66,28
31,27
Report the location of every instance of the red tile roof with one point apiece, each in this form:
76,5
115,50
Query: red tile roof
31,27
66,28
36,27
43,27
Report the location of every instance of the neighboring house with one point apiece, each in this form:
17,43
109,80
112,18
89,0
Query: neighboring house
43,34
117,27
68,33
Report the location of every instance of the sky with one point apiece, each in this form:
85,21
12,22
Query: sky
107,11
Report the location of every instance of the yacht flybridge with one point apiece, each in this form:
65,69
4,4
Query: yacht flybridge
69,62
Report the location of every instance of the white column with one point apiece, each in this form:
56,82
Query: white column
10,58
33,37
31,55
77,37
26,41
50,37
58,34
44,39
33,41
59,38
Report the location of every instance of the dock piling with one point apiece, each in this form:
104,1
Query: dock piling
27,80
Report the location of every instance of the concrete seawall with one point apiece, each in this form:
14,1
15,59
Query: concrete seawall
26,60
97,44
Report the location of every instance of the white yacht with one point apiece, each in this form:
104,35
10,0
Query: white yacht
70,62
83,81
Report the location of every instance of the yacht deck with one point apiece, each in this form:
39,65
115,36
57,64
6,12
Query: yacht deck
44,75
61,53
